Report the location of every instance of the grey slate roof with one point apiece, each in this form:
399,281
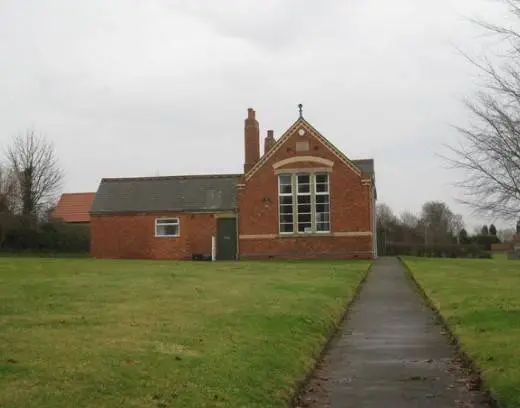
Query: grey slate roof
366,165
177,193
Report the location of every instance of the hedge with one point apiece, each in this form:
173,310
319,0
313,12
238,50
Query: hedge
437,250
53,236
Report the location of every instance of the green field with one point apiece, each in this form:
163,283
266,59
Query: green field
480,300
91,333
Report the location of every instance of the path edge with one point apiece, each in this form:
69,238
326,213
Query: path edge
467,363
333,334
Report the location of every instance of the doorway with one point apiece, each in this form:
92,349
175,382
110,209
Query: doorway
226,239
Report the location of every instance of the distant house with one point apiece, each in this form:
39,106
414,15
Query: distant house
502,247
74,208
303,198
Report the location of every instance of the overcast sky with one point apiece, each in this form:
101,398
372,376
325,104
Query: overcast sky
162,87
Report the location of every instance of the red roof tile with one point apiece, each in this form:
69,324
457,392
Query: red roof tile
74,207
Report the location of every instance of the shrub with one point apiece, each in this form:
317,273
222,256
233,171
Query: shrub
437,251
53,236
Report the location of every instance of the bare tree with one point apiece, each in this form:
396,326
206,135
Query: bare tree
489,150
457,223
440,224
409,219
410,225
38,175
7,201
7,190
385,216
506,234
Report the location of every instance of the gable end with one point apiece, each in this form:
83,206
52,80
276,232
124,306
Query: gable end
302,123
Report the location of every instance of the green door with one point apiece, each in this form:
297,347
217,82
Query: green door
226,239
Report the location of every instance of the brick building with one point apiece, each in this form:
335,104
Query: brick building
303,198
74,208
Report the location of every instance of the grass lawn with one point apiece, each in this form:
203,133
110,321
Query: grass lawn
481,301
92,333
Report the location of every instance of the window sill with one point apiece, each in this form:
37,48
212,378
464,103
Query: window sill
167,236
305,235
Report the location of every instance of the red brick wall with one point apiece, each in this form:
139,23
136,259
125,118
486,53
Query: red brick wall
133,236
307,247
350,208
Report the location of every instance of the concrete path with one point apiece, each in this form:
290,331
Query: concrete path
390,352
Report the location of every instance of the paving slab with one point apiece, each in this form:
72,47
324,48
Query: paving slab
390,352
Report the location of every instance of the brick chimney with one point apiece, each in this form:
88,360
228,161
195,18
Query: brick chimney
251,141
268,141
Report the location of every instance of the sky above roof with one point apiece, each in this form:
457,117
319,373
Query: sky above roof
134,88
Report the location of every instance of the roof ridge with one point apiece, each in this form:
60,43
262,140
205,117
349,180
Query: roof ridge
185,176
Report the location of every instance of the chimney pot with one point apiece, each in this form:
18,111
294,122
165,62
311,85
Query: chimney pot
269,141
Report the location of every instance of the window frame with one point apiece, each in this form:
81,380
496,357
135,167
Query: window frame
321,193
164,221
280,195
299,194
313,193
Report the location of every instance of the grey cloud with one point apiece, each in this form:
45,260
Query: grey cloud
129,88
270,24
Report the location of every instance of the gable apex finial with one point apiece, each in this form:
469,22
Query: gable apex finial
300,108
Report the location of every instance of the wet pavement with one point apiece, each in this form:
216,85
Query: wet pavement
390,352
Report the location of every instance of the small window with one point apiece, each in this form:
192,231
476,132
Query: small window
167,227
